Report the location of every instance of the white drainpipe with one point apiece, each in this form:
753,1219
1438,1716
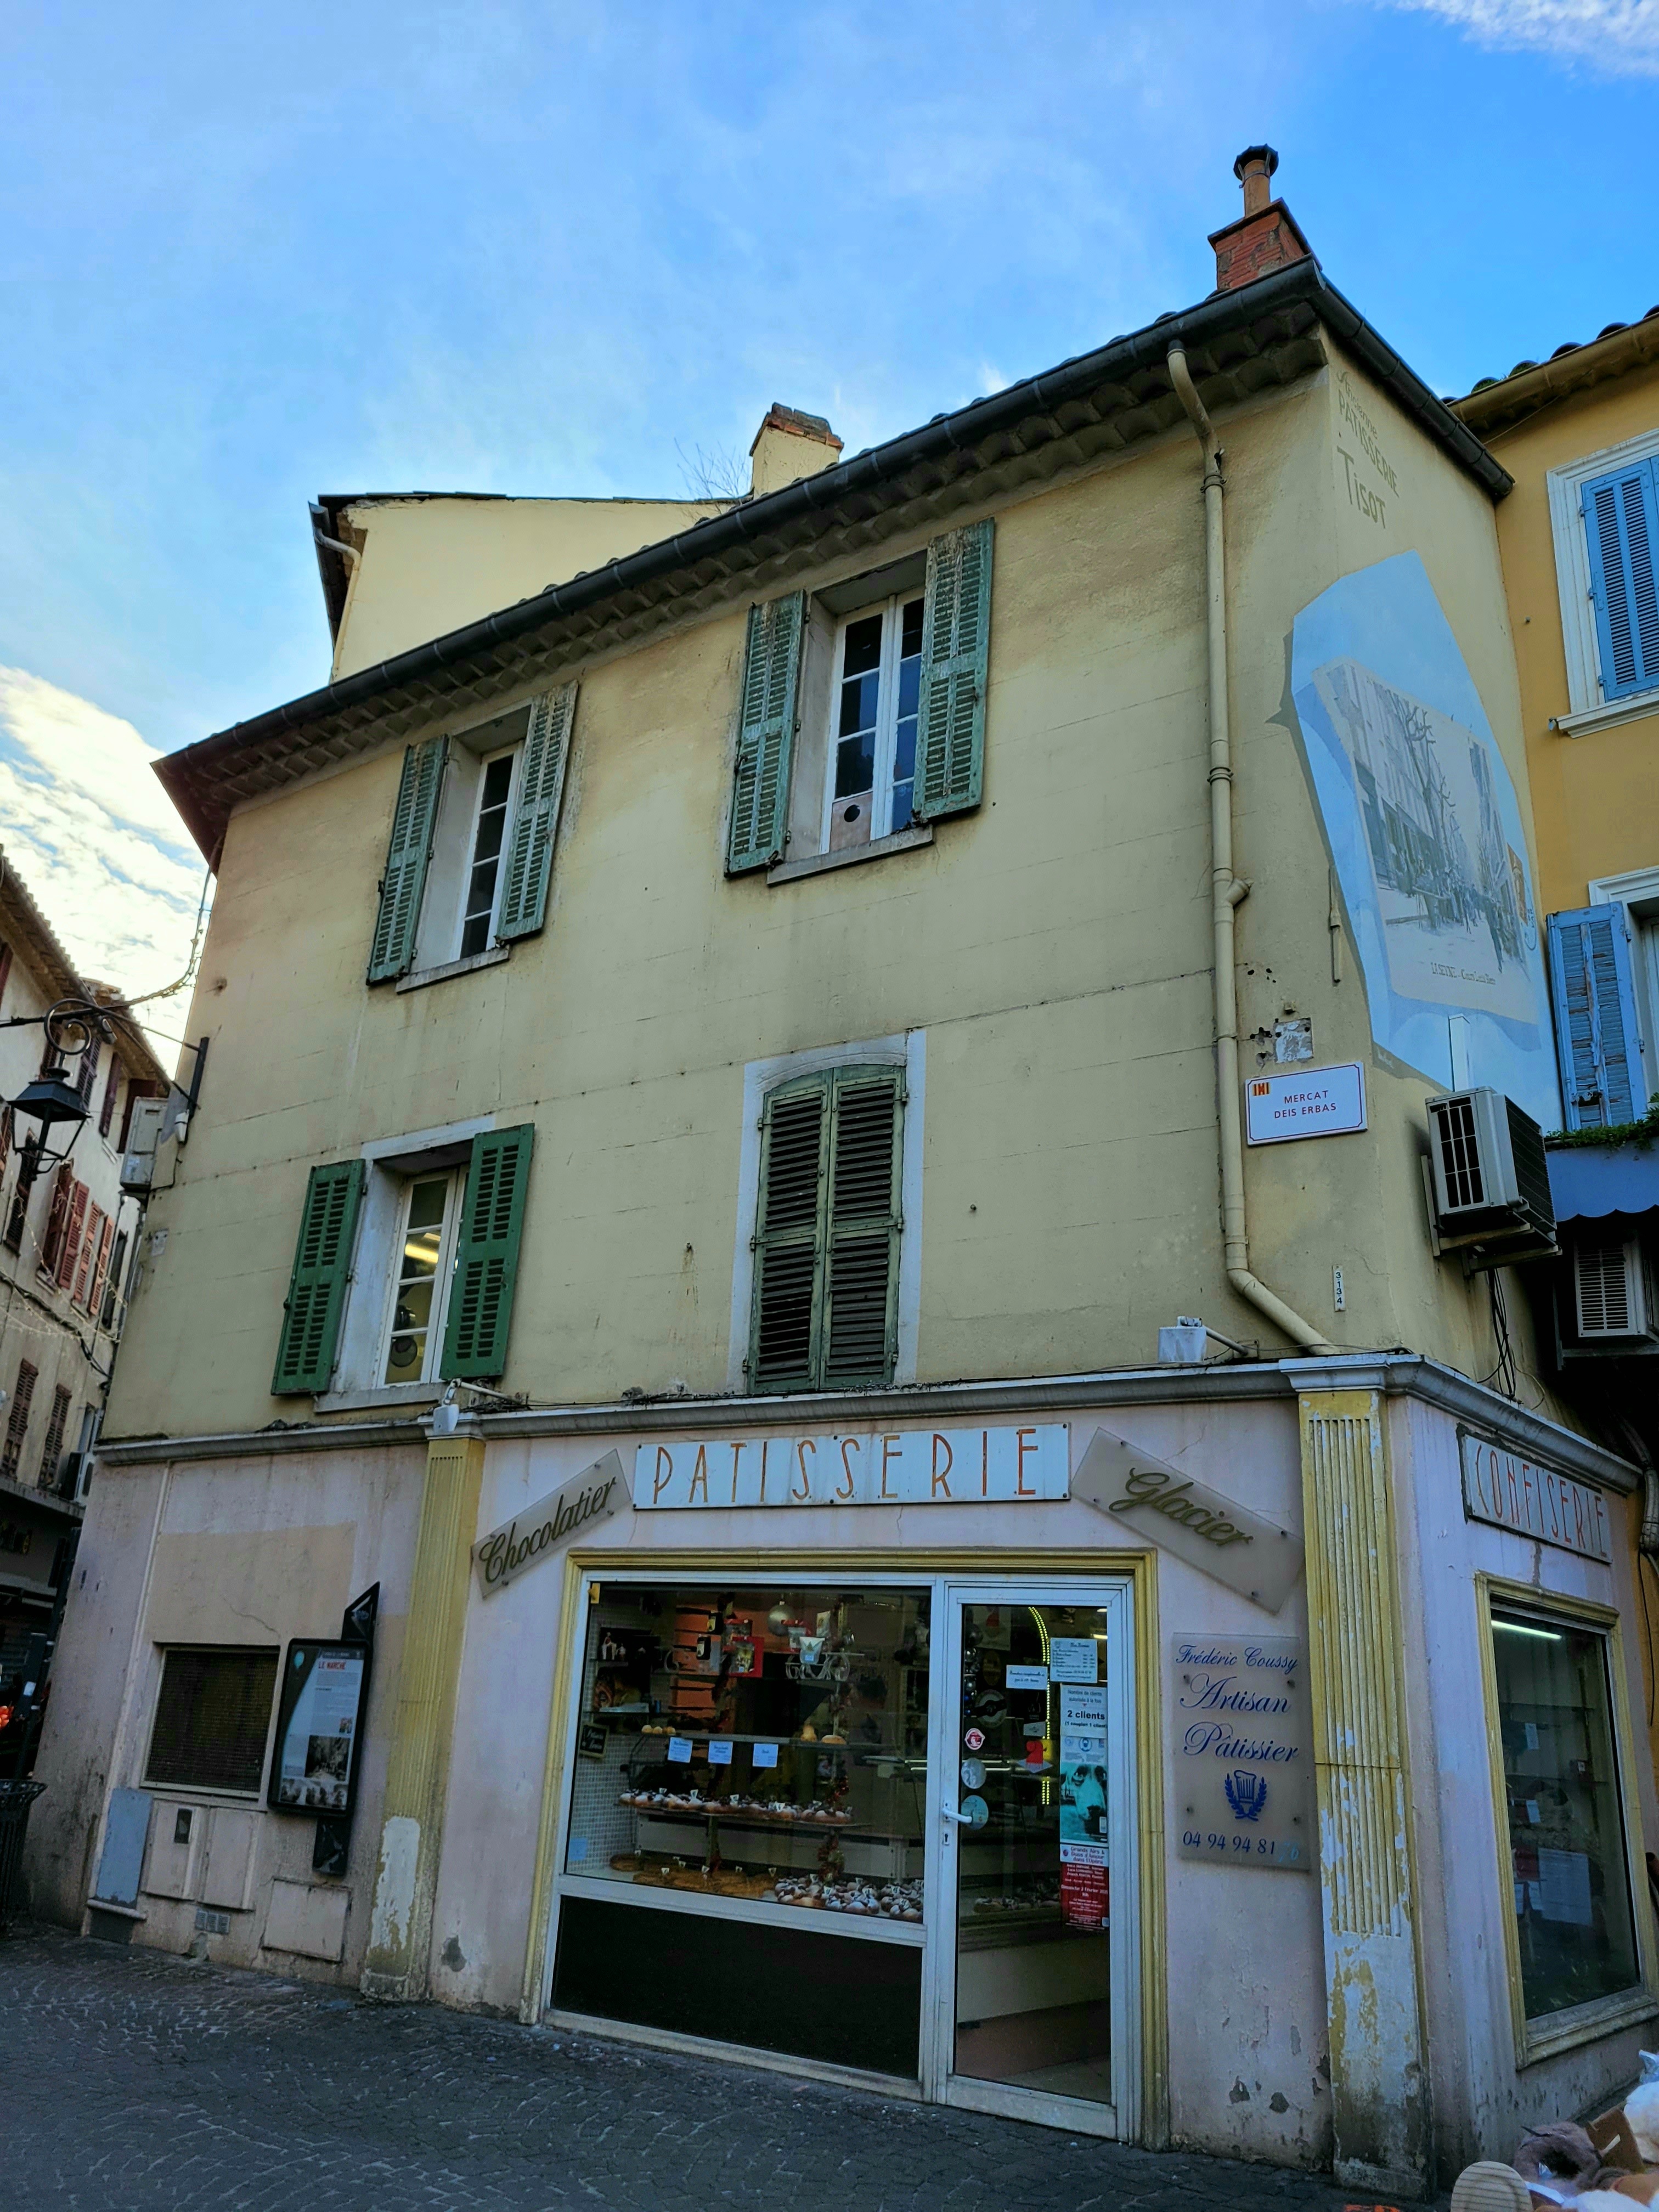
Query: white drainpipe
1225,888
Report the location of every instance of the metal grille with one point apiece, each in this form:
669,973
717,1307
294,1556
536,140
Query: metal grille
1532,1172
1460,1153
211,1719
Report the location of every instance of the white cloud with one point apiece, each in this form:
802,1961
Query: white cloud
90,830
1618,36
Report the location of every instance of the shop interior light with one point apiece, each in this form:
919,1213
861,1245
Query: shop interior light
1520,1628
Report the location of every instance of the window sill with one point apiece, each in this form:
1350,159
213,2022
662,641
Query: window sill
389,1394
423,976
1640,706
1587,2023
818,864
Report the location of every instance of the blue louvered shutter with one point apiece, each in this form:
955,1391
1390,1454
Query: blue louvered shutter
765,735
956,641
1596,1033
410,847
487,1253
1621,526
316,1288
536,823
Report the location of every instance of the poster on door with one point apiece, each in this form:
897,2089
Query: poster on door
1243,1752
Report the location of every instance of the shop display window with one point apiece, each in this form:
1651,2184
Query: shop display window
1567,1833
763,1746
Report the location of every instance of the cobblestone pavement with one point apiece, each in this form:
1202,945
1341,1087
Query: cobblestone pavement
135,2080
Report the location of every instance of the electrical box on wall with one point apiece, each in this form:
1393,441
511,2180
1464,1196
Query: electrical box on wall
1489,1180
138,1161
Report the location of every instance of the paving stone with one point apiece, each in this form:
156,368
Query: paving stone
141,2082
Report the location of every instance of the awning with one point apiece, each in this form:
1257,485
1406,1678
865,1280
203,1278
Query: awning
1587,1181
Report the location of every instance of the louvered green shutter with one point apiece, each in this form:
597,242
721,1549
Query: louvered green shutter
826,1244
861,1289
789,1237
766,734
1621,526
536,824
1596,1035
317,1288
955,637
406,857
487,1253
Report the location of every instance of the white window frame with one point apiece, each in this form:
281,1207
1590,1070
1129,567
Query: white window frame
393,1163
892,637
907,1051
1587,709
486,761
1638,894
453,1180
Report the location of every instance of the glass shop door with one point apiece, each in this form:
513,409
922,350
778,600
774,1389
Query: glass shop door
1037,1849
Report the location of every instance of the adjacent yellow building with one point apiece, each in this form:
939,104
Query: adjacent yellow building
816,1331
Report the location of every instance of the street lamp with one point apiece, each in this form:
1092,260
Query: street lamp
52,1101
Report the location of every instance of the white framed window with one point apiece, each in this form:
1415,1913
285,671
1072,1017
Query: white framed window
1602,508
481,896
413,1337
872,741
1637,892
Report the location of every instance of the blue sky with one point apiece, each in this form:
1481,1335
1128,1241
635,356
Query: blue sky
252,253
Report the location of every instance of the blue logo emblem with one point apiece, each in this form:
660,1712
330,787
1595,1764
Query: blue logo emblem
1247,1794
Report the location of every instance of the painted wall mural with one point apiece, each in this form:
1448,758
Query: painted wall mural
1424,834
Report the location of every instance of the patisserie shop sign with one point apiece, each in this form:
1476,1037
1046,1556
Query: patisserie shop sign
901,1467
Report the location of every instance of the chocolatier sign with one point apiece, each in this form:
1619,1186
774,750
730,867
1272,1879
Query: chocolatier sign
593,1495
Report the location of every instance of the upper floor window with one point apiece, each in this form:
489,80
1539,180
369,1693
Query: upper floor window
827,1231
416,1263
862,710
420,1295
1622,520
471,855
1604,514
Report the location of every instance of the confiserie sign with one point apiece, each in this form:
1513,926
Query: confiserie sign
909,1467
1512,1492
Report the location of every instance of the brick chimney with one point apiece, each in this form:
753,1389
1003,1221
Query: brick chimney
1264,237
788,445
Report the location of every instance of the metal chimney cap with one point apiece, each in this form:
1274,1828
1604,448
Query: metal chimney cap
1251,155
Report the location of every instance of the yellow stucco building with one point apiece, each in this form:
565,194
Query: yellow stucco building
820,1178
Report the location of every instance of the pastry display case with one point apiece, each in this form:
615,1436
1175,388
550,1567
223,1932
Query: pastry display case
764,1747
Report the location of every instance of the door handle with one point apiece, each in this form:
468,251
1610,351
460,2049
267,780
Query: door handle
962,1820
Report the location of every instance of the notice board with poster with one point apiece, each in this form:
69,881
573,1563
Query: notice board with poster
320,1727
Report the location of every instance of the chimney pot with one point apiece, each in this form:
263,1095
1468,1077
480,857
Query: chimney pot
1254,168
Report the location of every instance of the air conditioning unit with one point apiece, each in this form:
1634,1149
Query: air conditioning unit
1612,1299
1490,1179
138,1161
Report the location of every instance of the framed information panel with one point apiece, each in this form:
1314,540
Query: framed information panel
320,1727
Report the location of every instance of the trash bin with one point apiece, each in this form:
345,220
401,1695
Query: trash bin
16,1798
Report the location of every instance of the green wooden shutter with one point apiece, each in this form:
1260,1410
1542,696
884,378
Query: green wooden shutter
956,636
317,1288
789,1237
536,823
766,734
861,1289
406,857
487,1253
826,1243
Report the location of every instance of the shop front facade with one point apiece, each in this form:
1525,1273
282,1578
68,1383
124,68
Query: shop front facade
1240,1760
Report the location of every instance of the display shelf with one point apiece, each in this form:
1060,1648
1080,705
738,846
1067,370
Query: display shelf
862,1927
776,1824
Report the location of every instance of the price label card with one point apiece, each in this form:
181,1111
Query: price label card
1073,1659
1026,1678
764,1754
679,1750
720,1754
